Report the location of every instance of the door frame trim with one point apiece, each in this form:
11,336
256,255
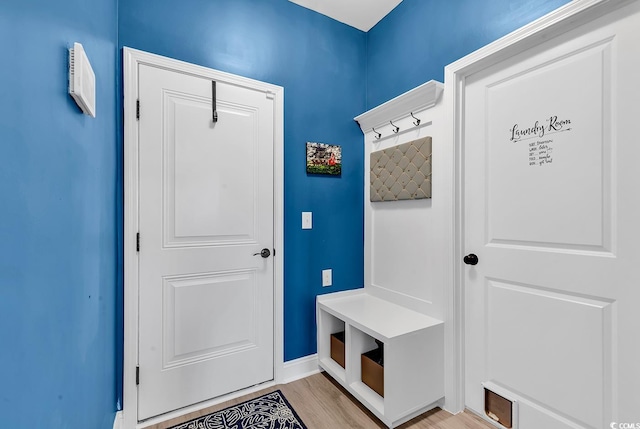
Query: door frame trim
562,20
132,59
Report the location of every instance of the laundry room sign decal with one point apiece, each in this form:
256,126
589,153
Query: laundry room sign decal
540,145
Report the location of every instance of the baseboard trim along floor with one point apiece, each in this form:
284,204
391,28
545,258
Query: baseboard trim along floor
299,368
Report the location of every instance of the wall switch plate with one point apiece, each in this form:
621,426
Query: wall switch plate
307,220
326,278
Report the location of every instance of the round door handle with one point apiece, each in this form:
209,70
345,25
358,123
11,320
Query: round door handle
470,259
265,253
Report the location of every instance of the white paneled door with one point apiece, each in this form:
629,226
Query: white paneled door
552,213
205,214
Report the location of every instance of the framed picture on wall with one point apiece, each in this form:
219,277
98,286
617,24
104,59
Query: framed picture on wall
324,158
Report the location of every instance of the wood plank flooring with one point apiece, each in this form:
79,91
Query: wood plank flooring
323,404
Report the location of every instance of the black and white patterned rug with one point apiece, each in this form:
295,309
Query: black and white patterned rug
270,411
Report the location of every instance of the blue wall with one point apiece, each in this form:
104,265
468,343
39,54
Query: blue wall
414,43
57,225
321,65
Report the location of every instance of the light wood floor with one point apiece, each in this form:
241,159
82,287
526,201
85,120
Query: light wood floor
323,404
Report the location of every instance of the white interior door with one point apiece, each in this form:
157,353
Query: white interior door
205,208
552,206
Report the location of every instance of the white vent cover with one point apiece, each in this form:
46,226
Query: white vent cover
82,80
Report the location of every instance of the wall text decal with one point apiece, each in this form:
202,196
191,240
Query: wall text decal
540,151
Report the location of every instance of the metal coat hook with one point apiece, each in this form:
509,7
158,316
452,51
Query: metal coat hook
395,128
378,135
417,121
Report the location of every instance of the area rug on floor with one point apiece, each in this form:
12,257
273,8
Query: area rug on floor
270,411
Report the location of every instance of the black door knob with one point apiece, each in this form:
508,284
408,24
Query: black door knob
470,259
265,253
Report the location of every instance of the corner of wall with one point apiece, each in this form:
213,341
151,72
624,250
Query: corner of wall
298,368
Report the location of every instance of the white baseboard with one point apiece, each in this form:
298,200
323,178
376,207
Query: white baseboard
118,421
299,368
202,405
291,371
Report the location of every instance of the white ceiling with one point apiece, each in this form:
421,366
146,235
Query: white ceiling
361,14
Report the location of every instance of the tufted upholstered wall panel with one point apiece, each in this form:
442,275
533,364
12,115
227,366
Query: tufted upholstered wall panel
402,172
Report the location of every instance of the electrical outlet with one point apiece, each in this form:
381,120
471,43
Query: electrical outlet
326,278
307,220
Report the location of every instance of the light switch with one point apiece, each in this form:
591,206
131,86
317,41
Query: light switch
306,220
326,278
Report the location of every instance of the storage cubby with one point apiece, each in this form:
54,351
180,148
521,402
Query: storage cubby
413,344
329,324
360,343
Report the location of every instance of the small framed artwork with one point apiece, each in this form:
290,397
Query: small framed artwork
324,159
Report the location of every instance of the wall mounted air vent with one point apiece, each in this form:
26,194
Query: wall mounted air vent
82,80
